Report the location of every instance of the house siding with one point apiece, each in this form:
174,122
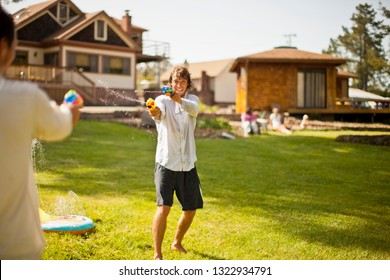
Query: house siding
34,31
87,35
275,84
270,85
225,91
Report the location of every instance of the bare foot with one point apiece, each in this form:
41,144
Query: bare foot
157,257
179,248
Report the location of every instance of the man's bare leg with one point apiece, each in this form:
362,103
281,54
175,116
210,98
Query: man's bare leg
183,225
158,230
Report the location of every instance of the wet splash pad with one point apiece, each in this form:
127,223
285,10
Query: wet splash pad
73,224
68,216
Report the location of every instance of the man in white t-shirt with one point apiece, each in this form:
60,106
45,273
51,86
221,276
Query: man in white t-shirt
25,113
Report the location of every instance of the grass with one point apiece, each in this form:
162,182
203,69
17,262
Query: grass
304,197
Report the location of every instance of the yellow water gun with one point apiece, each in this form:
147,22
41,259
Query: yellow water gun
151,104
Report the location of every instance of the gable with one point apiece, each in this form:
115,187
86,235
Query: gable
34,31
63,12
88,35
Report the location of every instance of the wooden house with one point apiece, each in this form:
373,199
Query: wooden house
212,81
298,82
61,47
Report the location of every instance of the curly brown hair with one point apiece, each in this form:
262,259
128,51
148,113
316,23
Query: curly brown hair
182,72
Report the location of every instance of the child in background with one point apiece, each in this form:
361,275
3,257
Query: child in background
276,122
249,123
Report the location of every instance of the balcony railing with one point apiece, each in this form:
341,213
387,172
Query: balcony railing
354,103
52,77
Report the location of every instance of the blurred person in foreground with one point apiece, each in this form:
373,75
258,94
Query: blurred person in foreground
25,113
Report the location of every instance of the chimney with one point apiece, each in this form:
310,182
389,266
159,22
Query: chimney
126,22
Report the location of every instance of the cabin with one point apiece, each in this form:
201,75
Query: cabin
298,82
212,81
61,47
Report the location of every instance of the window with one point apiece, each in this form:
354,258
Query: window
51,59
135,37
21,58
116,65
63,12
311,88
83,62
100,30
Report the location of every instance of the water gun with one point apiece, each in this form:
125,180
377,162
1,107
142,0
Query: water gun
168,91
72,97
151,104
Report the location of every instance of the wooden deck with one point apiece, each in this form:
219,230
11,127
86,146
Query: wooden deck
334,111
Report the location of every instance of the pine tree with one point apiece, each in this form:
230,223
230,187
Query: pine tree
362,44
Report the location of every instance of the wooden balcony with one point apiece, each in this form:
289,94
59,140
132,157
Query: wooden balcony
349,106
56,81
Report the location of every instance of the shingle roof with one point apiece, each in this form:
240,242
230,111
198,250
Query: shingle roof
28,12
288,55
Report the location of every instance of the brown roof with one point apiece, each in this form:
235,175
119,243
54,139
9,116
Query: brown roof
65,31
119,22
346,74
83,21
288,55
30,12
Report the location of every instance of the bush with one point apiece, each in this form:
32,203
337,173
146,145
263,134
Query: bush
214,123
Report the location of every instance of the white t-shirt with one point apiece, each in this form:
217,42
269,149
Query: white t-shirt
276,120
176,148
25,113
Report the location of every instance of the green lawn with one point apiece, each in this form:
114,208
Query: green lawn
277,197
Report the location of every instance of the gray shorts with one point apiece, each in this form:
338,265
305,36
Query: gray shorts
185,184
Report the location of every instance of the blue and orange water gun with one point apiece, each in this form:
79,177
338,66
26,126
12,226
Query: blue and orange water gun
168,91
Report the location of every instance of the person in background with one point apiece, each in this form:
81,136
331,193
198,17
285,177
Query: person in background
276,122
249,123
175,170
25,113
305,122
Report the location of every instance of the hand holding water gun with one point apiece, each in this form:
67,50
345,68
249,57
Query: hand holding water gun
154,111
151,104
72,97
74,101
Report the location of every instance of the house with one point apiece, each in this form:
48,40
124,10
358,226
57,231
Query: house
298,82
212,81
61,47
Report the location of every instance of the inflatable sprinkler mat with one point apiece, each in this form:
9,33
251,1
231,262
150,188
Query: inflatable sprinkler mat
65,224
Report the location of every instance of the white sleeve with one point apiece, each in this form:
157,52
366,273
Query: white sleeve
191,105
53,122
160,104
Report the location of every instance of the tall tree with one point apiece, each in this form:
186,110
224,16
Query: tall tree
363,45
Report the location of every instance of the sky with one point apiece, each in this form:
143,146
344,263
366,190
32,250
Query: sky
206,30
